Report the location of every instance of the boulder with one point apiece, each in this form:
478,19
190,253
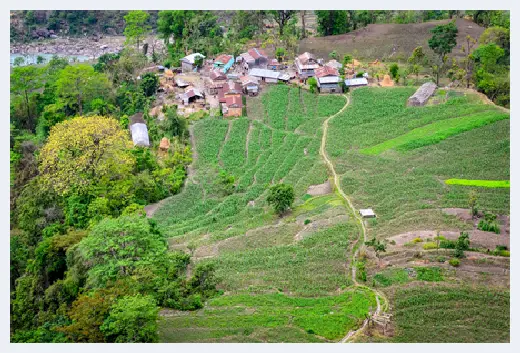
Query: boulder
423,93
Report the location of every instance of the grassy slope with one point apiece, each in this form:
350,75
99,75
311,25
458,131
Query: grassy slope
405,187
283,135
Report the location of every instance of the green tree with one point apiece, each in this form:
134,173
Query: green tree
377,245
444,39
281,197
472,203
461,244
332,22
280,54
82,151
40,60
25,81
136,27
416,60
149,84
282,17
77,85
132,319
333,55
118,248
18,61
394,70
313,84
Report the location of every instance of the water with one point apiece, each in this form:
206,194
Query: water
31,58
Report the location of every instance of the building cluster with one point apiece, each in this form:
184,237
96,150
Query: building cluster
220,84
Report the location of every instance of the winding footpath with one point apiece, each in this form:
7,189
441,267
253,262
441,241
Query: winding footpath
358,218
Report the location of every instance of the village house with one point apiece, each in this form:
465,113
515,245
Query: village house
249,85
328,80
273,64
264,75
216,81
188,62
191,95
254,58
356,82
230,96
335,64
232,106
305,65
224,62
138,130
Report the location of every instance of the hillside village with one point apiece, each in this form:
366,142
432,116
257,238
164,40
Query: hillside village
260,176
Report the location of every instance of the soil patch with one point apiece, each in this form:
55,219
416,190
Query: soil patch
320,189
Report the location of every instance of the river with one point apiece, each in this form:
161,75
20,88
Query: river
32,58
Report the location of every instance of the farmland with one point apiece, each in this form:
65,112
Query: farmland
288,279
481,183
405,186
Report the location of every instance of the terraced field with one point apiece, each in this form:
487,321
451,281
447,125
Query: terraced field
295,268
447,314
412,150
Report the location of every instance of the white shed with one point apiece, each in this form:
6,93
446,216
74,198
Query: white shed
367,213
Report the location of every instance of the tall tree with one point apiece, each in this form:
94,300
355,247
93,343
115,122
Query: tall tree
442,42
83,150
78,84
332,22
304,29
136,27
24,83
282,17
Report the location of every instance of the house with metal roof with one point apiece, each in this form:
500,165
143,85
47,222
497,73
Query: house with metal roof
249,85
356,82
138,130
188,62
232,105
191,95
328,79
224,62
254,57
264,75
306,64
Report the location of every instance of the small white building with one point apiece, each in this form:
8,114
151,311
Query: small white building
268,76
139,131
367,213
188,62
356,82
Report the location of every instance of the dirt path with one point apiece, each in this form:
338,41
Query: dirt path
194,154
356,215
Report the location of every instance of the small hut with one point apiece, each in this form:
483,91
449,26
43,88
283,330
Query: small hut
367,213
139,130
423,93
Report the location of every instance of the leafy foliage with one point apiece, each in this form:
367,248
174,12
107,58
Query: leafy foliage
281,197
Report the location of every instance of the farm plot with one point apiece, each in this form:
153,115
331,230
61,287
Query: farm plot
447,314
256,252
479,183
406,188
288,319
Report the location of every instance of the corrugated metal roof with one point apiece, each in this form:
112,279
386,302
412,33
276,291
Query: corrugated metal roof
264,73
140,135
326,71
285,77
358,81
329,79
191,58
247,57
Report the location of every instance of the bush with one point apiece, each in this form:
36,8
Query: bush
441,259
394,70
430,246
447,244
489,224
454,262
307,221
417,240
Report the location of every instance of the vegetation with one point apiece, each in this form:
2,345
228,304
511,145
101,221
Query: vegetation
281,197
484,312
479,183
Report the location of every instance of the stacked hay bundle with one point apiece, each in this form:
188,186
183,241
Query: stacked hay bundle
387,82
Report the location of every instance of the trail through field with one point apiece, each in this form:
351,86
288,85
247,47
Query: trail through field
363,235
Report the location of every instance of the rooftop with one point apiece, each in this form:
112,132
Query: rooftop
264,73
191,58
326,71
223,58
257,53
358,81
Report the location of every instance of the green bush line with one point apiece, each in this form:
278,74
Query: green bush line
481,183
436,132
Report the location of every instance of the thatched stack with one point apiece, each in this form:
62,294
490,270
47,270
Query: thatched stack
423,93
387,82
165,144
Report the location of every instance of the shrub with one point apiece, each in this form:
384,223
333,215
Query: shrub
447,244
417,240
454,262
307,221
489,224
430,246
441,259
394,69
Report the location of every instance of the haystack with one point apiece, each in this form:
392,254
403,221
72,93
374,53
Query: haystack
168,74
165,144
387,82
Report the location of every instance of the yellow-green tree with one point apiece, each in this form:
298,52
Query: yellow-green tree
137,27
82,152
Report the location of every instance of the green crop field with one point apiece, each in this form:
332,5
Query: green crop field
480,183
444,314
294,275
404,186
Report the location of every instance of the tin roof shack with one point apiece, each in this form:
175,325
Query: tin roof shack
191,95
423,93
356,82
254,57
264,75
224,62
328,80
335,64
217,79
367,213
138,130
232,105
306,64
188,62
273,64
249,85
229,88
